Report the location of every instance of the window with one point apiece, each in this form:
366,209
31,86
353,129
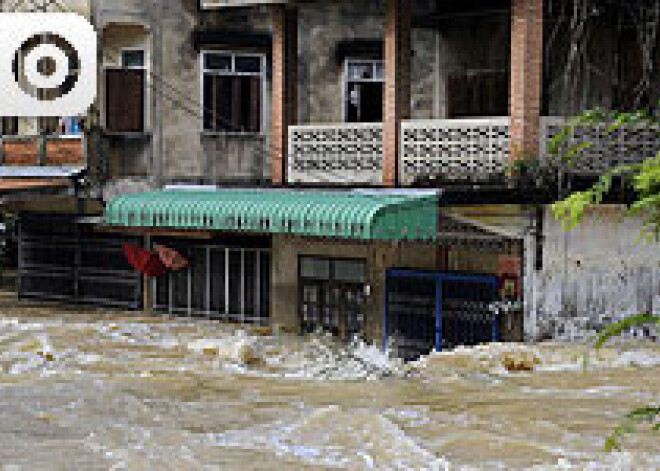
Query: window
48,124
363,90
125,93
232,91
9,126
332,295
132,59
478,93
222,283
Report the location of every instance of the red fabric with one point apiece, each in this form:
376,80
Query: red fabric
147,263
172,259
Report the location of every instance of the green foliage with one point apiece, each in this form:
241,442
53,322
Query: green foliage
645,177
619,328
648,415
643,415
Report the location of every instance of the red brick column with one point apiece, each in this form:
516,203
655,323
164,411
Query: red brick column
285,80
526,76
396,105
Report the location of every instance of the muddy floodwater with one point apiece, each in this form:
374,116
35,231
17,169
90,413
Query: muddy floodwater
96,390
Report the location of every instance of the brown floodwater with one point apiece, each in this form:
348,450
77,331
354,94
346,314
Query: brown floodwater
96,390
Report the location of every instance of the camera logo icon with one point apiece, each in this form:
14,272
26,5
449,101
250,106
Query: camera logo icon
48,64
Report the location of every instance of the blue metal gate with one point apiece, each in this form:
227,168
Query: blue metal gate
424,311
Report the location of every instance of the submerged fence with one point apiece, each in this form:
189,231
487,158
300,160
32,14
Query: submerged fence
427,311
59,260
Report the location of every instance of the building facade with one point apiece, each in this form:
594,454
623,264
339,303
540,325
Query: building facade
249,134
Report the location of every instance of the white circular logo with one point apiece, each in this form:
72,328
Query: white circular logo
46,66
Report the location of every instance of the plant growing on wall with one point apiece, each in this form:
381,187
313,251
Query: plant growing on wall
645,180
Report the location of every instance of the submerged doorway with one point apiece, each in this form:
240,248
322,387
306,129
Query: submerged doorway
223,282
427,311
332,296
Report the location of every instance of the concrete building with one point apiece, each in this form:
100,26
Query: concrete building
249,135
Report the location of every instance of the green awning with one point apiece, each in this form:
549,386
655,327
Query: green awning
347,215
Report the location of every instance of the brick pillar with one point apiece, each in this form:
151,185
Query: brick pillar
285,80
396,105
526,76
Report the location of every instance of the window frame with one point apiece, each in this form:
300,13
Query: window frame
331,268
145,89
347,80
203,71
136,67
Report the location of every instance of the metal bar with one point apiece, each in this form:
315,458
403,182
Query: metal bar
42,143
242,286
207,300
170,294
496,317
226,284
257,285
386,310
20,262
438,313
189,281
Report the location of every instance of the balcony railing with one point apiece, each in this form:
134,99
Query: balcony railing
43,150
454,149
604,150
459,150
340,154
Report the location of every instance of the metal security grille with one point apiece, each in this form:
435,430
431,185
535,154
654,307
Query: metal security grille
425,311
60,260
221,283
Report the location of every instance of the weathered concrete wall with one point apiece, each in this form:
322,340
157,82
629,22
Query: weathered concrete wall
175,147
592,275
378,257
322,25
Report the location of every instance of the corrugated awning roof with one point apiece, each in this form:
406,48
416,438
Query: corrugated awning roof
347,215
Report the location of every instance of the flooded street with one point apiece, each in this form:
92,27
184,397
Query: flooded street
94,390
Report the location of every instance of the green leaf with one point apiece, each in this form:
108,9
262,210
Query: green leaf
618,328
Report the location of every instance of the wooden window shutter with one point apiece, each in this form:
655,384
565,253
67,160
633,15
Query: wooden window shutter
135,102
222,102
255,104
125,100
236,104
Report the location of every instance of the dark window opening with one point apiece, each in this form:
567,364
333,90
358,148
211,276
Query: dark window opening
364,91
10,126
481,93
232,92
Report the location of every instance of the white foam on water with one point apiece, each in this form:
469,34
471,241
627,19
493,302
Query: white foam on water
506,359
333,437
316,358
321,359
616,461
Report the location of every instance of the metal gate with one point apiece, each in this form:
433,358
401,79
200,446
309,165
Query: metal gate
221,283
424,311
59,260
